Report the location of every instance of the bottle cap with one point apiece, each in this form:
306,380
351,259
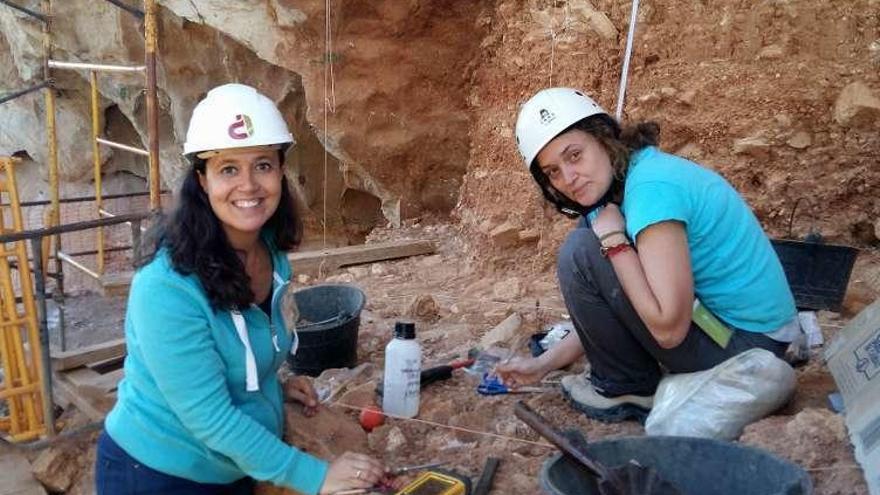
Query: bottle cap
405,330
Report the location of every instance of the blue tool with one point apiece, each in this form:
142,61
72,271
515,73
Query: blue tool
491,385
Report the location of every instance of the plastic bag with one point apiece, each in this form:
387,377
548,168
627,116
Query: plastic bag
721,401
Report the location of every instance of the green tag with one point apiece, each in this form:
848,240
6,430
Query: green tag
713,327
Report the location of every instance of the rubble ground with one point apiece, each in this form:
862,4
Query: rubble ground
455,299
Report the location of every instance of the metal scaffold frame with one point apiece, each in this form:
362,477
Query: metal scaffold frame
42,247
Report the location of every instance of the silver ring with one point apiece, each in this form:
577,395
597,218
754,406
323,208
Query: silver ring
358,474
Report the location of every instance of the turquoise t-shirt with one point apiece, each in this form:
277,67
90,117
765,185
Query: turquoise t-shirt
737,274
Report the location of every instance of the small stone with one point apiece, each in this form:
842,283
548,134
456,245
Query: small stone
303,279
752,146
503,333
378,269
687,97
507,290
668,92
505,235
857,106
691,151
358,271
342,278
395,440
771,52
424,306
529,235
800,140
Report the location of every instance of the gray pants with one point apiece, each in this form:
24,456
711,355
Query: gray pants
624,357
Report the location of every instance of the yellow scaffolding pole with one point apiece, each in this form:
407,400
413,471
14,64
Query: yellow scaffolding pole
96,155
20,346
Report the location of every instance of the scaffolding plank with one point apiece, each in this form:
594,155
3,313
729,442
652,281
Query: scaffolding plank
87,379
327,260
312,261
92,405
66,360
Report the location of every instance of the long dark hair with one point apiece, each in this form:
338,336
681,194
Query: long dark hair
619,142
197,243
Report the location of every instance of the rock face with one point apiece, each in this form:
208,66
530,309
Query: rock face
383,92
407,107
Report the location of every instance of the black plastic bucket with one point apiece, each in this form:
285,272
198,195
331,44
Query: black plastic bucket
817,273
329,318
696,466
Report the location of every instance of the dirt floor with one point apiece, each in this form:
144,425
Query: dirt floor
455,297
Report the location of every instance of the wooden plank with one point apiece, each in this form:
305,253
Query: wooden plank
93,407
78,357
116,284
107,365
89,380
331,259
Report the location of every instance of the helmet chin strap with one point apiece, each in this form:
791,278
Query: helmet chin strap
604,200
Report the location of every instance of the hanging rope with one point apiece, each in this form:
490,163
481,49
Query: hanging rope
624,72
329,107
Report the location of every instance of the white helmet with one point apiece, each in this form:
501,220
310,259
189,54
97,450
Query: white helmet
235,116
548,113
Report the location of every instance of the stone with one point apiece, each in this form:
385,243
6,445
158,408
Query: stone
857,106
358,271
424,306
505,235
503,333
687,97
342,278
668,92
756,147
56,468
507,290
771,52
327,434
529,235
691,151
800,140
395,439
595,19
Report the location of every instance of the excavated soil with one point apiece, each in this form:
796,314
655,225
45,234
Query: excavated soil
454,301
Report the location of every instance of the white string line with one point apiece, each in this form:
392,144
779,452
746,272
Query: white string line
441,425
624,71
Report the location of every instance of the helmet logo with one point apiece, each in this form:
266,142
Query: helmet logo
547,116
242,128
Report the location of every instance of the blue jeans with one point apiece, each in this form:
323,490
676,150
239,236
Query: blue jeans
117,473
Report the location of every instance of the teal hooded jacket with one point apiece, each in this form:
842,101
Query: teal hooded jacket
201,399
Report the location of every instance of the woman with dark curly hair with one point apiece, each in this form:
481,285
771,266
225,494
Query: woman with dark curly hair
200,408
660,237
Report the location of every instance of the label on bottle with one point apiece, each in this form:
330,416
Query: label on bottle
412,377
711,326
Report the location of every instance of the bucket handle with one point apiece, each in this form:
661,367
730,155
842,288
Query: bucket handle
340,317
